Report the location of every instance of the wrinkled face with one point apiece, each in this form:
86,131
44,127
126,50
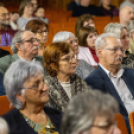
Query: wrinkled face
36,90
42,35
89,22
28,9
15,17
35,4
40,13
106,2
111,53
29,46
91,38
102,125
73,41
4,16
67,64
124,37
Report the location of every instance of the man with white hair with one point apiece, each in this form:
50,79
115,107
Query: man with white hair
126,14
25,47
109,77
129,3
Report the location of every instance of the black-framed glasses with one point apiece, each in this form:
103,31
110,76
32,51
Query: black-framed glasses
116,49
73,41
69,58
32,40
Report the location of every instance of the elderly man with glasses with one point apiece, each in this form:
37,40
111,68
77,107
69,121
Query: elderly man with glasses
25,47
109,77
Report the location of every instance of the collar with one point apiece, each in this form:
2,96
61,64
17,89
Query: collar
109,74
24,59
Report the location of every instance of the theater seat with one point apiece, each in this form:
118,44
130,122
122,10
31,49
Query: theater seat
131,121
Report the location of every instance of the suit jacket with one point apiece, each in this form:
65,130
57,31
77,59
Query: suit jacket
18,125
9,59
98,79
3,53
58,97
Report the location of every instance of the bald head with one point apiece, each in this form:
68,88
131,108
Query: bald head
4,16
126,15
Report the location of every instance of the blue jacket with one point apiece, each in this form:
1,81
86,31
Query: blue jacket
98,79
2,89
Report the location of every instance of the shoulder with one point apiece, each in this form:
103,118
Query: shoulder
40,59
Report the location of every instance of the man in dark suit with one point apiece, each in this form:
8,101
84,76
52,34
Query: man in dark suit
109,77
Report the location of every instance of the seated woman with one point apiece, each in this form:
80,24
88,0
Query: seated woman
83,69
86,40
40,29
26,90
61,62
26,11
122,33
107,9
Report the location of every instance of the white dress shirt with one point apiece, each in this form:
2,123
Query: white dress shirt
121,88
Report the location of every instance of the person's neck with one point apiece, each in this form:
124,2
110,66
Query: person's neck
83,4
63,78
27,16
124,22
132,2
41,49
106,6
24,56
111,68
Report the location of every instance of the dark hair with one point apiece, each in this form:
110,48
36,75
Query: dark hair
81,20
83,34
52,54
35,24
14,12
38,8
22,6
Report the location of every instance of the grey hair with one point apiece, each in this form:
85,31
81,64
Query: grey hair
16,39
114,28
3,126
82,110
15,77
131,27
101,39
62,36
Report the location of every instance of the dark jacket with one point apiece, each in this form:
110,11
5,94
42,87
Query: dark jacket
18,125
98,79
3,53
2,89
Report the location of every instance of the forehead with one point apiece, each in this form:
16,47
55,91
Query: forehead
129,9
28,35
112,41
3,10
34,1
40,9
71,52
71,37
123,31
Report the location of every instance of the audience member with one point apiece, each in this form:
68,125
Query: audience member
6,32
107,9
25,47
126,15
26,90
40,14
84,8
26,12
122,34
86,40
129,3
61,62
83,69
2,89
3,126
84,20
40,29
73,4
34,4
109,77
90,113
131,34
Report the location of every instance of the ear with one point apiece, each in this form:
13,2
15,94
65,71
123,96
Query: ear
54,67
21,97
99,52
18,46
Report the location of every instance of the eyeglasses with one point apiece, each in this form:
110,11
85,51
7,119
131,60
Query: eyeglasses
116,49
73,41
32,40
44,31
69,59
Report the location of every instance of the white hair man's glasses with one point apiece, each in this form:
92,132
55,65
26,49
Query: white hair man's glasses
32,40
116,49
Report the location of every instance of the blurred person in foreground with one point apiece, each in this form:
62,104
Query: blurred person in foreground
90,113
129,3
3,126
28,93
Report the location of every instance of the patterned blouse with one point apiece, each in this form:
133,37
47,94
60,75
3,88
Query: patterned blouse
47,128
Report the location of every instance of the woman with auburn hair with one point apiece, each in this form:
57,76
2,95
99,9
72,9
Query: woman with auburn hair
61,62
40,29
86,40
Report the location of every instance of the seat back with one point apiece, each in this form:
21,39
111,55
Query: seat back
131,121
4,105
121,123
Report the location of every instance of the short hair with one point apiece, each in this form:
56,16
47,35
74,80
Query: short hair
83,34
52,54
101,39
14,12
22,6
81,20
16,39
62,36
15,77
38,8
131,27
82,110
3,126
114,28
2,4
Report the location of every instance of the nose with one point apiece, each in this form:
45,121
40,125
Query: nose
45,88
127,39
7,16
